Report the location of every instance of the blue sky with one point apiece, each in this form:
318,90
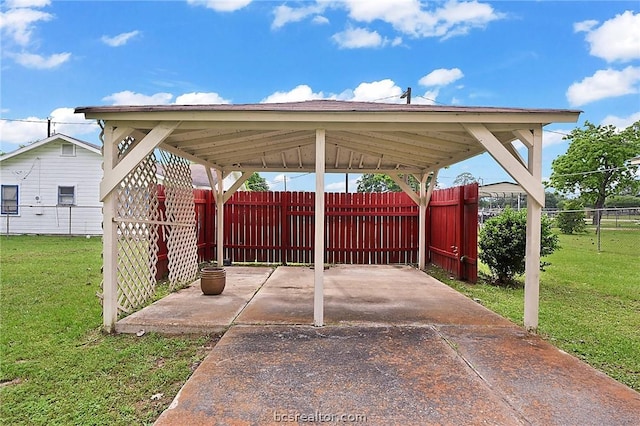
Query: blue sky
57,55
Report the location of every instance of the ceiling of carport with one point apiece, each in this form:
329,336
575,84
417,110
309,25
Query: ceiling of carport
360,136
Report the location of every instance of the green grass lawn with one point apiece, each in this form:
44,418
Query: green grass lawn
589,301
56,367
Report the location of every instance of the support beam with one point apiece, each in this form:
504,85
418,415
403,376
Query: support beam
135,156
432,186
109,238
422,223
237,184
425,198
532,259
510,164
220,218
525,136
187,156
515,154
120,133
318,254
212,183
406,188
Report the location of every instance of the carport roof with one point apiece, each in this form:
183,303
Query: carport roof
360,136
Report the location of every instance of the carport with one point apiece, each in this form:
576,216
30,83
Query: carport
321,136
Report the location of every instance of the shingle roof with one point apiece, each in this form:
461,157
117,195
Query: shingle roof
320,105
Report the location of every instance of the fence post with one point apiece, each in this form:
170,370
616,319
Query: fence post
284,227
460,231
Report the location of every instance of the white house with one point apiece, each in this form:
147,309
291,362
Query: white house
52,187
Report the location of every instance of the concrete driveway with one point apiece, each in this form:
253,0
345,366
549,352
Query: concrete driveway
399,348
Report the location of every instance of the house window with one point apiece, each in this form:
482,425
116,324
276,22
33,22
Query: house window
66,195
9,199
68,150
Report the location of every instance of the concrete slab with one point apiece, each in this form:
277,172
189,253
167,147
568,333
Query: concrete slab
190,311
399,348
364,294
396,375
546,385
378,375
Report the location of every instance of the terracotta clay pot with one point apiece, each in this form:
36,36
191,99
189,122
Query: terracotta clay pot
212,280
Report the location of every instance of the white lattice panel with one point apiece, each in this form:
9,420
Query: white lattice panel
180,227
136,212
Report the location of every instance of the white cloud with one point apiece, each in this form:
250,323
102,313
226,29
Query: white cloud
200,98
409,17
26,3
66,121
621,122
120,39
617,39
221,5
555,137
277,180
18,24
376,91
342,185
355,38
604,84
441,77
320,20
128,97
584,26
428,98
284,14
33,60
383,90
30,129
300,93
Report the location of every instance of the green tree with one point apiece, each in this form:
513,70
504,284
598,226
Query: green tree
257,183
571,219
464,179
378,182
552,200
594,165
623,201
502,244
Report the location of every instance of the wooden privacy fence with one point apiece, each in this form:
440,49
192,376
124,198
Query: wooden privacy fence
452,230
360,228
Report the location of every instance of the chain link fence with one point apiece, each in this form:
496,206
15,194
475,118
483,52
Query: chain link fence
53,220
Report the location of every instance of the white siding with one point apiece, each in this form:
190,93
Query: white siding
39,172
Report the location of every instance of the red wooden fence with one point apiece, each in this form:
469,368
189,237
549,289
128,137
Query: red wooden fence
360,228
452,230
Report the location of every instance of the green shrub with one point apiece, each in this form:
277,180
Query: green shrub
502,244
572,221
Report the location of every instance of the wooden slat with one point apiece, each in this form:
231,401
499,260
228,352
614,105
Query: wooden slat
360,228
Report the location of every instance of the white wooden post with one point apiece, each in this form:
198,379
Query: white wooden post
422,244
220,218
109,239
534,218
318,257
422,225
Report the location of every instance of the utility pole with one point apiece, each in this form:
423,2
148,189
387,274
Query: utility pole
49,127
407,94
